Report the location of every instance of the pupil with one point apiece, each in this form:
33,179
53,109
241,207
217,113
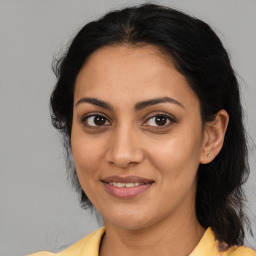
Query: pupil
161,120
99,120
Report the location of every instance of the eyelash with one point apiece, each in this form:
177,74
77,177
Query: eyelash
170,121
85,118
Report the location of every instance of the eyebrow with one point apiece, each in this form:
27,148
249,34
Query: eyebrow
147,103
96,102
139,106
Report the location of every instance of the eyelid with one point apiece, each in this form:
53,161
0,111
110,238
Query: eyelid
95,114
171,119
88,115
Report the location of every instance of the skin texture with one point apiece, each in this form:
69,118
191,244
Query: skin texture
130,142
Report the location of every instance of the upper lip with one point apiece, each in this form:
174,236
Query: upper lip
127,179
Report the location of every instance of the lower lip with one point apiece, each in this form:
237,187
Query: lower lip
126,192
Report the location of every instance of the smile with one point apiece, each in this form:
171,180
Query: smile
126,187
122,185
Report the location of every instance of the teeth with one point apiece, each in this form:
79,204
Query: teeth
122,185
129,185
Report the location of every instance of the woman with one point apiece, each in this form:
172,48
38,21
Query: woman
149,107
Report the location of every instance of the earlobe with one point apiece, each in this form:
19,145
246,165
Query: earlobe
214,134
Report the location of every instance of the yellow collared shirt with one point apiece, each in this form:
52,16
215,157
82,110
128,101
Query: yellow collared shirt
208,246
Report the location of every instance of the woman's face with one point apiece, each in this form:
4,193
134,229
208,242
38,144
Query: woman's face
136,136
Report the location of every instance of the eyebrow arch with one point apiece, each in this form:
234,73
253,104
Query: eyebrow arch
96,102
147,103
138,106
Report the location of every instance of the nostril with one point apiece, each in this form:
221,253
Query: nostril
123,149
124,159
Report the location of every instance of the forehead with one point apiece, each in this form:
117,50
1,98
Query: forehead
131,50
134,72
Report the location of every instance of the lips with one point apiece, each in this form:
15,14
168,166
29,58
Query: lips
126,187
128,179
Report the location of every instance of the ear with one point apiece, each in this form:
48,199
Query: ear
214,133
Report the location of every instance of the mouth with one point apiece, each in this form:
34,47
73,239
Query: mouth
126,187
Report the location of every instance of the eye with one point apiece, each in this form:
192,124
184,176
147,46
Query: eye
95,121
159,121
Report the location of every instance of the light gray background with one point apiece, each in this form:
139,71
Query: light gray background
38,208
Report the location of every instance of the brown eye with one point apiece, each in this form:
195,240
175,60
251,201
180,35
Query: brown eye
95,120
159,121
99,120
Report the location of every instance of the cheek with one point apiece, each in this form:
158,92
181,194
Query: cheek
177,157
177,162
87,155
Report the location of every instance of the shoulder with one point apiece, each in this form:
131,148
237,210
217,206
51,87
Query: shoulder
209,246
88,245
240,251
42,254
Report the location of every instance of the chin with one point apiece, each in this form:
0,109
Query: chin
129,221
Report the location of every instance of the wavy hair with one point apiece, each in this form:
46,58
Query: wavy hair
199,55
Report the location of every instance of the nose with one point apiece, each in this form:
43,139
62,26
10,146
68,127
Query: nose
124,150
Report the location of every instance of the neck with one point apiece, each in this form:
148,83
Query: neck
174,236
